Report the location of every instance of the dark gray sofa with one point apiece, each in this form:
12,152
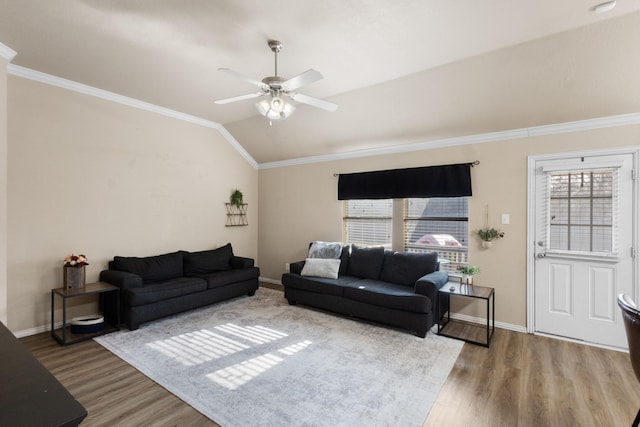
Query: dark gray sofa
394,288
158,286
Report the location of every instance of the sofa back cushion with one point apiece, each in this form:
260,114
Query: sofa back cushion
365,262
205,262
344,260
151,269
405,268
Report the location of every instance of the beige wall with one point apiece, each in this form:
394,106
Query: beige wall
94,176
3,189
298,204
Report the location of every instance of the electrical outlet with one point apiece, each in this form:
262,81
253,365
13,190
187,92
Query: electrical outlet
505,219
286,267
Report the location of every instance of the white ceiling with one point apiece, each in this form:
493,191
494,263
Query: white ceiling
167,52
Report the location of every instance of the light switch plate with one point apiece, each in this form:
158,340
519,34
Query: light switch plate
505,219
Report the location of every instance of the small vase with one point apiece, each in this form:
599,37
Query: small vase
487,244
466,280
74,277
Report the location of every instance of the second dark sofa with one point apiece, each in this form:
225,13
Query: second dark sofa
158,286
394,288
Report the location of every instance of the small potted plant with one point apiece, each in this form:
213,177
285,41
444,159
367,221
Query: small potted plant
236,198
488,235
468,271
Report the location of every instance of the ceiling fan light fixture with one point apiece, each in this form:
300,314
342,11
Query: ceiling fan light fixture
275,108
277,104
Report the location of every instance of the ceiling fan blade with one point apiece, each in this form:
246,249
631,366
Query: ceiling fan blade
314,102
302,79
238,98
246,78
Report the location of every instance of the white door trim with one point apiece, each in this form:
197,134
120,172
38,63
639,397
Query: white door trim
531,162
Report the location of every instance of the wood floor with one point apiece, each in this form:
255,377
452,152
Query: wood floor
522,380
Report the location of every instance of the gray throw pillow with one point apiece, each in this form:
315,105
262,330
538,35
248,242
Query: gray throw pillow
326,250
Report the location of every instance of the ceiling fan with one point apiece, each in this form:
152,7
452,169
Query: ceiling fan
274,106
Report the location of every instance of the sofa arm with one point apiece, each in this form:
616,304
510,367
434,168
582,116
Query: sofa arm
239,263
296,267
121,279
429,284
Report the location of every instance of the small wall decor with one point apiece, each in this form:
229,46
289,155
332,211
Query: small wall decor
236,210
236,214
73,271
488,234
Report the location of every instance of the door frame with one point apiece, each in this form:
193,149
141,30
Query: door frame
531,164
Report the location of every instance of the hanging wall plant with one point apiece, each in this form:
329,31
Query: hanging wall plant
488,235
236,198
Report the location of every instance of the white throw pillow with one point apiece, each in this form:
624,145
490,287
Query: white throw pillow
321,267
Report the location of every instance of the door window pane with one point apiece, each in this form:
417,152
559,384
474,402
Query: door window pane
581,211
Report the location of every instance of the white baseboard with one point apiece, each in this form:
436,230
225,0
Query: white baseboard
36,330
272,281
483,321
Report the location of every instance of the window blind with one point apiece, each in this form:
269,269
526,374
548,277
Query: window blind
368,222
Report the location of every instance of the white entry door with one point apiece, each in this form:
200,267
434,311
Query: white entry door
584,251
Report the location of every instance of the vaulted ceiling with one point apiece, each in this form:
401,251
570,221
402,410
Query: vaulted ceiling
401,71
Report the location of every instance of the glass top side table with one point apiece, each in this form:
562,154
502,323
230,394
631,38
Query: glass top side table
443,307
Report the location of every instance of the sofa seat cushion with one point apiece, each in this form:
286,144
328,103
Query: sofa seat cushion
405,268
161,291
389,295
317,284
223,278
153,268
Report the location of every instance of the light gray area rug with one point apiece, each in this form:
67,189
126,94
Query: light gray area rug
256,361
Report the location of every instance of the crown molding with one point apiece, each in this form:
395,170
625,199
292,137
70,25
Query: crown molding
38,76
7,53
558,128
576,126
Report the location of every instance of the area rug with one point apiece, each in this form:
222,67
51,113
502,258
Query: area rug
257,361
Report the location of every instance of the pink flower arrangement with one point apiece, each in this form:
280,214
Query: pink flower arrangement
75,260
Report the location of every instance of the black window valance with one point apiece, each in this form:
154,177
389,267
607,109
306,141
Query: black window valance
429,181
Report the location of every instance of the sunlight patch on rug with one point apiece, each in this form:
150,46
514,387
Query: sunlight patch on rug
256,361
234,376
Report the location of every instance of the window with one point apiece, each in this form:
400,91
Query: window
368,222
438,224
435,224
581,211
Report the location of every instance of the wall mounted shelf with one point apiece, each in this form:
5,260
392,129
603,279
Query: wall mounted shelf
236,215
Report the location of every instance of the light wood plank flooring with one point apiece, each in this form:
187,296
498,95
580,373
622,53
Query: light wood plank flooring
522,380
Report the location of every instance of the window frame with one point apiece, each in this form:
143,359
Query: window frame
449,262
